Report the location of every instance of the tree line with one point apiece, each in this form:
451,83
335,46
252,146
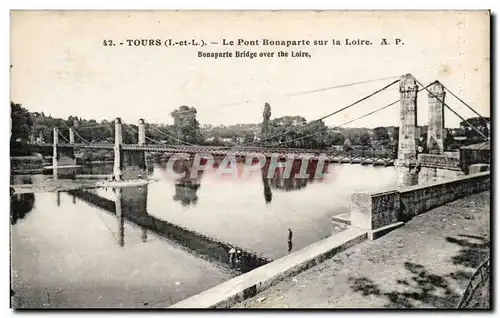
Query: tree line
286,132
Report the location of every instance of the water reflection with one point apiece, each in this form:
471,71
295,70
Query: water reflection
130,204
268,193
113,239
274,176
251,211
80,256
21,204
186,188
277,177
185,192
119,216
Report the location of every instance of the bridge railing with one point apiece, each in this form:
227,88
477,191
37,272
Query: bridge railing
478,278
438,160
353,153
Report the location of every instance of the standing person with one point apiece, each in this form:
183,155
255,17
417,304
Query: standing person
232,251
238,256
290,235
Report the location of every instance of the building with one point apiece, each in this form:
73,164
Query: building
184,113
474,154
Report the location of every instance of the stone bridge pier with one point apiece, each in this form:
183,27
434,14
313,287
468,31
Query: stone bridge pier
414,168
406,163
435,165
129,164
435,142
63,156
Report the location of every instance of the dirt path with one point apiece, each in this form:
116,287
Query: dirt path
427,263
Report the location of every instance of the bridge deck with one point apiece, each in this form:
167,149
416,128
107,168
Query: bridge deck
357,156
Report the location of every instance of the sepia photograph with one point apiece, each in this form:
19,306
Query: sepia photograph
250,159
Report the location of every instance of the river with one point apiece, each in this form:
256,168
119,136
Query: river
68,252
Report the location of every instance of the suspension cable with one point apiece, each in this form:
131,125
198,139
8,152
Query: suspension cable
470,107
454,112
350,121
146,137
83,139
330,114
170,136
62,136
95,126
329,128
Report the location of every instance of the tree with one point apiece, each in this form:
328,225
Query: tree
335,138
481,124
186,126
395,133
381,135
347,145
266,115
21,123
365,139
21,129
395,140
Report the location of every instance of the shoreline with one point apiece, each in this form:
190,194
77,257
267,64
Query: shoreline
68,185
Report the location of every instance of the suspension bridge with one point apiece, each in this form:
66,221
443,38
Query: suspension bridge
130,159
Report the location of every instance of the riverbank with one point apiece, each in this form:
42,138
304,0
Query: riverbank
27,164
427,263
51,185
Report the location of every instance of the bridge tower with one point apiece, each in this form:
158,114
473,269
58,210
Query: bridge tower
54,152
117,167
142,132
141,140
435,143
72,152
406,162
71,136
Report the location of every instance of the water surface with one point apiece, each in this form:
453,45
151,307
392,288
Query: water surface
68,251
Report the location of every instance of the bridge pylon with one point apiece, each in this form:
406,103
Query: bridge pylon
55,141
71,136
435,143
117,166
141,140
406,163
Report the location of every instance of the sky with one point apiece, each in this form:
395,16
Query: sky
61,67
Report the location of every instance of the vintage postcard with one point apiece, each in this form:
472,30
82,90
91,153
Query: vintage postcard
250,159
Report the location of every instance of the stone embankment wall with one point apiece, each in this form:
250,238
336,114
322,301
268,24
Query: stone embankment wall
372,211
